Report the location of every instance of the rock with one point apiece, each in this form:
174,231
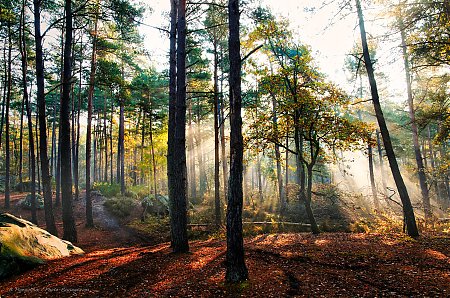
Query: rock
157,206
23,245
26,202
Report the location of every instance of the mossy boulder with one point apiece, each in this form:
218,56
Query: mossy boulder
23,245
26,202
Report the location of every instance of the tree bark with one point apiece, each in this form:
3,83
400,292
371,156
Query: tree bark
281,193
373,187
121,148
236,270
177,170
42,147
32,162
380,156
70,232
217,207
408,211
8,103
89,214
415,134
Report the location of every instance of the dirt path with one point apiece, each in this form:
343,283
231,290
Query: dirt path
283,265
108,232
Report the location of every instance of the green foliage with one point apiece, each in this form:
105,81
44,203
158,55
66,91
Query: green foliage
26,203
121,206
106,189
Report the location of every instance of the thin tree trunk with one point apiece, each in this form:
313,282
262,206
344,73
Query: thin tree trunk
111,144
37,158
58,170
408,211
121,148
53,149
380,156
433,164
32,161
217,207
143,143
236,270
286,171
281,193
8,102
106,140
202,174
373,187
70,232
155,188
192,174
89,214
46,180
415,134
21,140
5,87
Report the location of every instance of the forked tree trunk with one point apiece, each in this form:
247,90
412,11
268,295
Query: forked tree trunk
408,211
236,270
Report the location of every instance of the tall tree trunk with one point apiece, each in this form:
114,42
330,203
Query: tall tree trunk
89,214
21,139
53,149
58,170
143,143
433,164
415,134
373,187
5,87
155,188
121,148
37,156
177,127
46,180
380,156
408,211
111,144
70,232
217,207
200,157
7,124
77,142
286,171
192,174
236,270
32,161
281,193
106,140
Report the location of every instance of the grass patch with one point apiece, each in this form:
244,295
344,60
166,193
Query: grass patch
106,189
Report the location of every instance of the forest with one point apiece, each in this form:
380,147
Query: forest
231,165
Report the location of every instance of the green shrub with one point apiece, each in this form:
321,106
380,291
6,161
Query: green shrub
120,206
106,189
141,191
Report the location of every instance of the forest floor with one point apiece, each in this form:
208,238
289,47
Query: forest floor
120,262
